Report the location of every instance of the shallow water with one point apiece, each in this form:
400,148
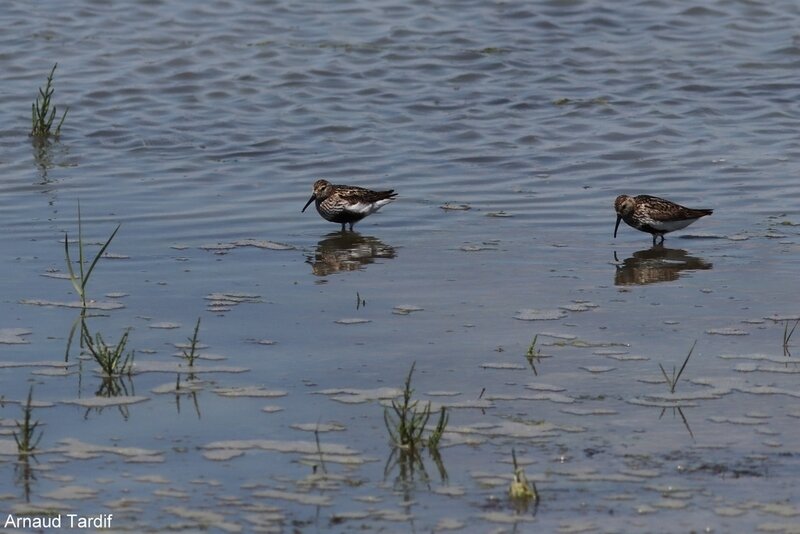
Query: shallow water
201,129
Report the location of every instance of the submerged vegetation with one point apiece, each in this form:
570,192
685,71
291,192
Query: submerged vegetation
43,111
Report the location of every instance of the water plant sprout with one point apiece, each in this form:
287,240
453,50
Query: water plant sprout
672,381
26,439
533,354
319,451
81,278
191,356
43,111
787,336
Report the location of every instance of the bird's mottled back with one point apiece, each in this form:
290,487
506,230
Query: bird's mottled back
347,204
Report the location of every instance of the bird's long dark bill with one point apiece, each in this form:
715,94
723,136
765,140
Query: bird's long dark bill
619,218
310,200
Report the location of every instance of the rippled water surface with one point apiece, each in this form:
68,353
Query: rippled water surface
507,129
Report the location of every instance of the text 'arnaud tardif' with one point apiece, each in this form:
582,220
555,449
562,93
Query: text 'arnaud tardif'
59,521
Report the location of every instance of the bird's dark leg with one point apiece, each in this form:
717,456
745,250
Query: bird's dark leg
654,239
343,227
351,227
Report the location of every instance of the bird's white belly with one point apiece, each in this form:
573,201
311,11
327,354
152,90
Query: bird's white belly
365,208
669,226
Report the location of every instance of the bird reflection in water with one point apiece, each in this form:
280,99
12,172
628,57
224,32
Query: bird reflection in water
347,251
656,264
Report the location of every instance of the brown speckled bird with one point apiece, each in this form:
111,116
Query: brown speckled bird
654,215
347,204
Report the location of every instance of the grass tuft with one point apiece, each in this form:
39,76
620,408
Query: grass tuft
43,111
673,380
112,358
26,439
533,354
407,424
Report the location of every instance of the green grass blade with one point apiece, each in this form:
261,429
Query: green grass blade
80,245
72,278
97,257
680,372
61,122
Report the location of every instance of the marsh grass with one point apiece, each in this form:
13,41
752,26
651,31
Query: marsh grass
27,439
533,354
409,420
436,434
81,279
407,425
522,490
319,451
191,356
112,358
360,301
787,336
43,111
672,381
78,322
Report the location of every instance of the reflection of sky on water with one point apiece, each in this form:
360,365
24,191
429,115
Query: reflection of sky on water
207,123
